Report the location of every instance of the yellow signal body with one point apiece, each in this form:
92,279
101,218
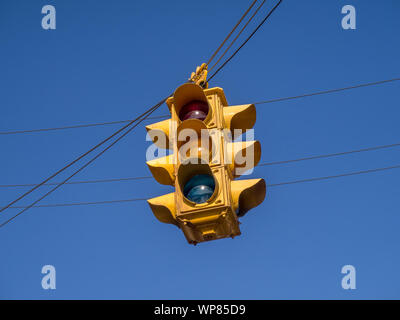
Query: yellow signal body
247,194
213,219
164,208
237,152
160,129
163,169
211,154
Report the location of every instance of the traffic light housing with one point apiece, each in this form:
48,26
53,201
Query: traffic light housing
204,162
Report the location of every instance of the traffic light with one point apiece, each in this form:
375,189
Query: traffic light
203,163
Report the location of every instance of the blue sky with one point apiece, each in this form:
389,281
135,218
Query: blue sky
110,60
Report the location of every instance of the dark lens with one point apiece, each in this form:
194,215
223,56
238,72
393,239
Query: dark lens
194,110
199,188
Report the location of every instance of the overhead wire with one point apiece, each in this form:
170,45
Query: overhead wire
362,85
144,115
329,155
354,173
230,33
77,182
79,203
82,156
124,121
151,110
336,176
237,36
148,112
244,43
75,126
320,156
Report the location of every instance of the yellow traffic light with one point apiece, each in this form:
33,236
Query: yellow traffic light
206,159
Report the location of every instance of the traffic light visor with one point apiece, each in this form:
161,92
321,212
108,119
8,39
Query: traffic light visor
190,102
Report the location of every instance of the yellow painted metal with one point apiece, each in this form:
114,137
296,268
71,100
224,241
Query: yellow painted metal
160,130
208,224
219,199
164,208
247,194
195,126
221,158
214,219
187,92
195,141
239,152
240,117
200,76
163,169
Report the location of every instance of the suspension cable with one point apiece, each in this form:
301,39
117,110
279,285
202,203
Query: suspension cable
268,186
148,112
81,168
230,33
244,43
237,36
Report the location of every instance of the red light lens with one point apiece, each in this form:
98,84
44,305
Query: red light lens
194,110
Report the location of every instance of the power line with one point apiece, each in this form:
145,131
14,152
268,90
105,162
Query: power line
79,203
76,182
237,36
230,33
123,121
268,186
335,176
167,116
145,116
243,44
328,155
328,91
142,117
83,155
320,156
75,126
